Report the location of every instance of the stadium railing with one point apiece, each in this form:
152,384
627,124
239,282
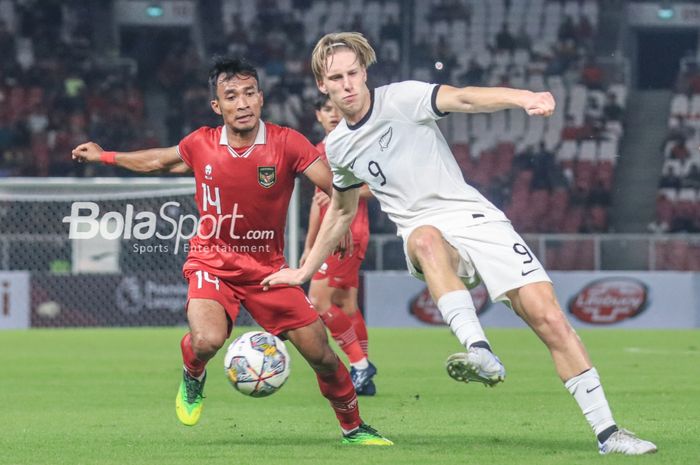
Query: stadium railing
35,232
573,252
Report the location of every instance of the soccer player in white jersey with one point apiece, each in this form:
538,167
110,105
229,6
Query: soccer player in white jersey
389,140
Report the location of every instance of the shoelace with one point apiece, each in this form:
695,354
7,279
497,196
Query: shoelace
193,388
629,434
368,429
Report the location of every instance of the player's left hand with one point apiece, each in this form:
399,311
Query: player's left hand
321,199
345,246
540,104
289,276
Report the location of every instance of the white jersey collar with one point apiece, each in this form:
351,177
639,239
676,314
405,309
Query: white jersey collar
367,115
260,139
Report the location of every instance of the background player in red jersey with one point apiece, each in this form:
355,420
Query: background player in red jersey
333,289
244,172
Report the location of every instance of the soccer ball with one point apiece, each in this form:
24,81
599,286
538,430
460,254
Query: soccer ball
257,364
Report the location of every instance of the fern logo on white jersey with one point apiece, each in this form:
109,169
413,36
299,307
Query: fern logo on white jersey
385,140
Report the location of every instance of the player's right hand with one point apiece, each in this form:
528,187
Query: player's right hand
540,104
89,152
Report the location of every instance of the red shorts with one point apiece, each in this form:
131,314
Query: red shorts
343,273
277,310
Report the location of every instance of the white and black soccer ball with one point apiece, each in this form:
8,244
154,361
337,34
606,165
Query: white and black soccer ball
257,364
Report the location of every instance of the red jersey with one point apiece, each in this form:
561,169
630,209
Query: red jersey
360,224
242,196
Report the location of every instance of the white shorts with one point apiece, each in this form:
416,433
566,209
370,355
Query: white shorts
495,253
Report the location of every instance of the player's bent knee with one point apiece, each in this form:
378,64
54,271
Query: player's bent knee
424,239
345,301
206,344
425,244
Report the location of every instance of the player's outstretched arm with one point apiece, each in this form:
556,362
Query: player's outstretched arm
320,174
335,224
489,99
165,159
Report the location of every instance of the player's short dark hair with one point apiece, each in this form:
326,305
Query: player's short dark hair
320,100
230,67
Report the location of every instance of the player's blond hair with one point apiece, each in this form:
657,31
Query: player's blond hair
330,42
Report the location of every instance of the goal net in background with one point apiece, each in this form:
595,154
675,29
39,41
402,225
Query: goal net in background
115,271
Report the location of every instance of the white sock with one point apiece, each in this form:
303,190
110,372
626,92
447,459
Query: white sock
348,431
361,364
457,308
588,392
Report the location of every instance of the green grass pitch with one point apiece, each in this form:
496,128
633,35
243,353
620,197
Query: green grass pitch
107,397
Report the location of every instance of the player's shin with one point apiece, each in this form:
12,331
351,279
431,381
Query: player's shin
588,392
337,388
361,330
193,365
458,311
343,331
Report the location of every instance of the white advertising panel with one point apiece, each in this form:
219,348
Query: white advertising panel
663,14
589,299
148,13
629,299
14,299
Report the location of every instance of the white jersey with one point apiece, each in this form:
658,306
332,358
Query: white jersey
399,151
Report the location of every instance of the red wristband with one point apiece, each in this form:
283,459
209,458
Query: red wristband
108,158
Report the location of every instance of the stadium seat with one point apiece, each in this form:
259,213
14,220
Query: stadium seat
608,151
679,105
588,151
567,153
694,110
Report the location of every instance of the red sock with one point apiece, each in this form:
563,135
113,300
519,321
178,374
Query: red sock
361,330
337,388
193,365
343,332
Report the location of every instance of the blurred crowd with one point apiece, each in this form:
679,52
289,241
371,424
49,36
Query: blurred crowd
678,202
56,92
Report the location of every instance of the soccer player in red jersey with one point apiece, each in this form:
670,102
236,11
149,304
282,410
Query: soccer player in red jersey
244,172
333,289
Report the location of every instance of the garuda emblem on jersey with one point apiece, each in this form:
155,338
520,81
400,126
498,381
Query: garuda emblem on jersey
267,176
385,139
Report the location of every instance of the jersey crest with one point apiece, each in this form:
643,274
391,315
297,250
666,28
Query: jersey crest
267,176
385,139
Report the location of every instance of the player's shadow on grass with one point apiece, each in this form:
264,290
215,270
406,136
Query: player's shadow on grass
470,440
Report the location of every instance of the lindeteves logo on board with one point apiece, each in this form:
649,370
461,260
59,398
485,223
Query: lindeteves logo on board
609,301
424,309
